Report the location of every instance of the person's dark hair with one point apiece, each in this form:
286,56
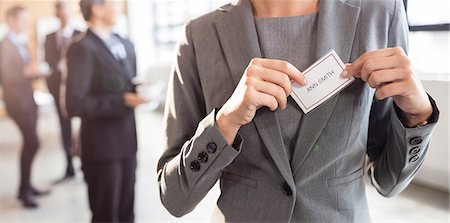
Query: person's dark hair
14,11
86,7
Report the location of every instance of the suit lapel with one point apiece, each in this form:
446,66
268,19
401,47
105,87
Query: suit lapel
239,42
53,49
108,58
336,30
238,37
128,63
14,50
75,33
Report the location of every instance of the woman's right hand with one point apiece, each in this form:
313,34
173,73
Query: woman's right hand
132,100
31,71
266,82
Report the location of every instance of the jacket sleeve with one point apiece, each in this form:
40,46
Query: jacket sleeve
133,58
79,99
396,152
194,152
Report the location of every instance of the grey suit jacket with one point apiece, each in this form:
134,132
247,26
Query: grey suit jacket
324,180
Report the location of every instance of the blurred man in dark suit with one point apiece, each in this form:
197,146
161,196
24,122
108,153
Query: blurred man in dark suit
56,44
17,72
101,66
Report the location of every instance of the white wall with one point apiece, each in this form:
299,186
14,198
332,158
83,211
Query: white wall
435,170
430,55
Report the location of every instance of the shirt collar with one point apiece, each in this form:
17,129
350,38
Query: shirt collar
18,38
101,36
67,31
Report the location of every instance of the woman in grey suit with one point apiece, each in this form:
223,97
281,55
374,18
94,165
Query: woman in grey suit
229,114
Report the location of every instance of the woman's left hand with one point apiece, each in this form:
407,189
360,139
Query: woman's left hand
389,72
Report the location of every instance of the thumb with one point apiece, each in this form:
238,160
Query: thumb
301,79
348,71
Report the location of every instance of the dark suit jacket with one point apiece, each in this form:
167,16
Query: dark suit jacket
53,54
96,83
17,88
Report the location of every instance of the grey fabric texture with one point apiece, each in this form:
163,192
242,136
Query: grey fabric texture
324,181
290,39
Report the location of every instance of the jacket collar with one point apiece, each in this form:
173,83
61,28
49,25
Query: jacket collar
107,57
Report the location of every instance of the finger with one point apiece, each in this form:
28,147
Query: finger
381,77
355,68
391,90
345,73
381,63
282,66
273,76
141,100
263,99
273,90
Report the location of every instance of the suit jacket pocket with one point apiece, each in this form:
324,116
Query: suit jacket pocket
350,191
235,191
345,179
238,179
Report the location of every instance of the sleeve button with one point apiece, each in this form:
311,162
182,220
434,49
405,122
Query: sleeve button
415,141
203,157
195,166
414,150
211,147
414,158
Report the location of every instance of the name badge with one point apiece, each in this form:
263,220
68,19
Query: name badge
324,81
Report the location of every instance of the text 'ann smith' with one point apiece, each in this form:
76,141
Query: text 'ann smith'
320,81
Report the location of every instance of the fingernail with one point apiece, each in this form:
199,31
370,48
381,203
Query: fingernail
305,82
344,73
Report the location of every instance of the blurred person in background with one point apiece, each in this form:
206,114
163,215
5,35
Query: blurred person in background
17,72
101,66
56,45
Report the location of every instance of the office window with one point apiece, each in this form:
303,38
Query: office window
431,15
169,18
156,25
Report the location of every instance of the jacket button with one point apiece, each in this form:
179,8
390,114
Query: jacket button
414,158
414,150
286,189
203,157
195,166
415,141
211,147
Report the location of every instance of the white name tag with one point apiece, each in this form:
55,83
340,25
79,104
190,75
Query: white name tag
324,81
